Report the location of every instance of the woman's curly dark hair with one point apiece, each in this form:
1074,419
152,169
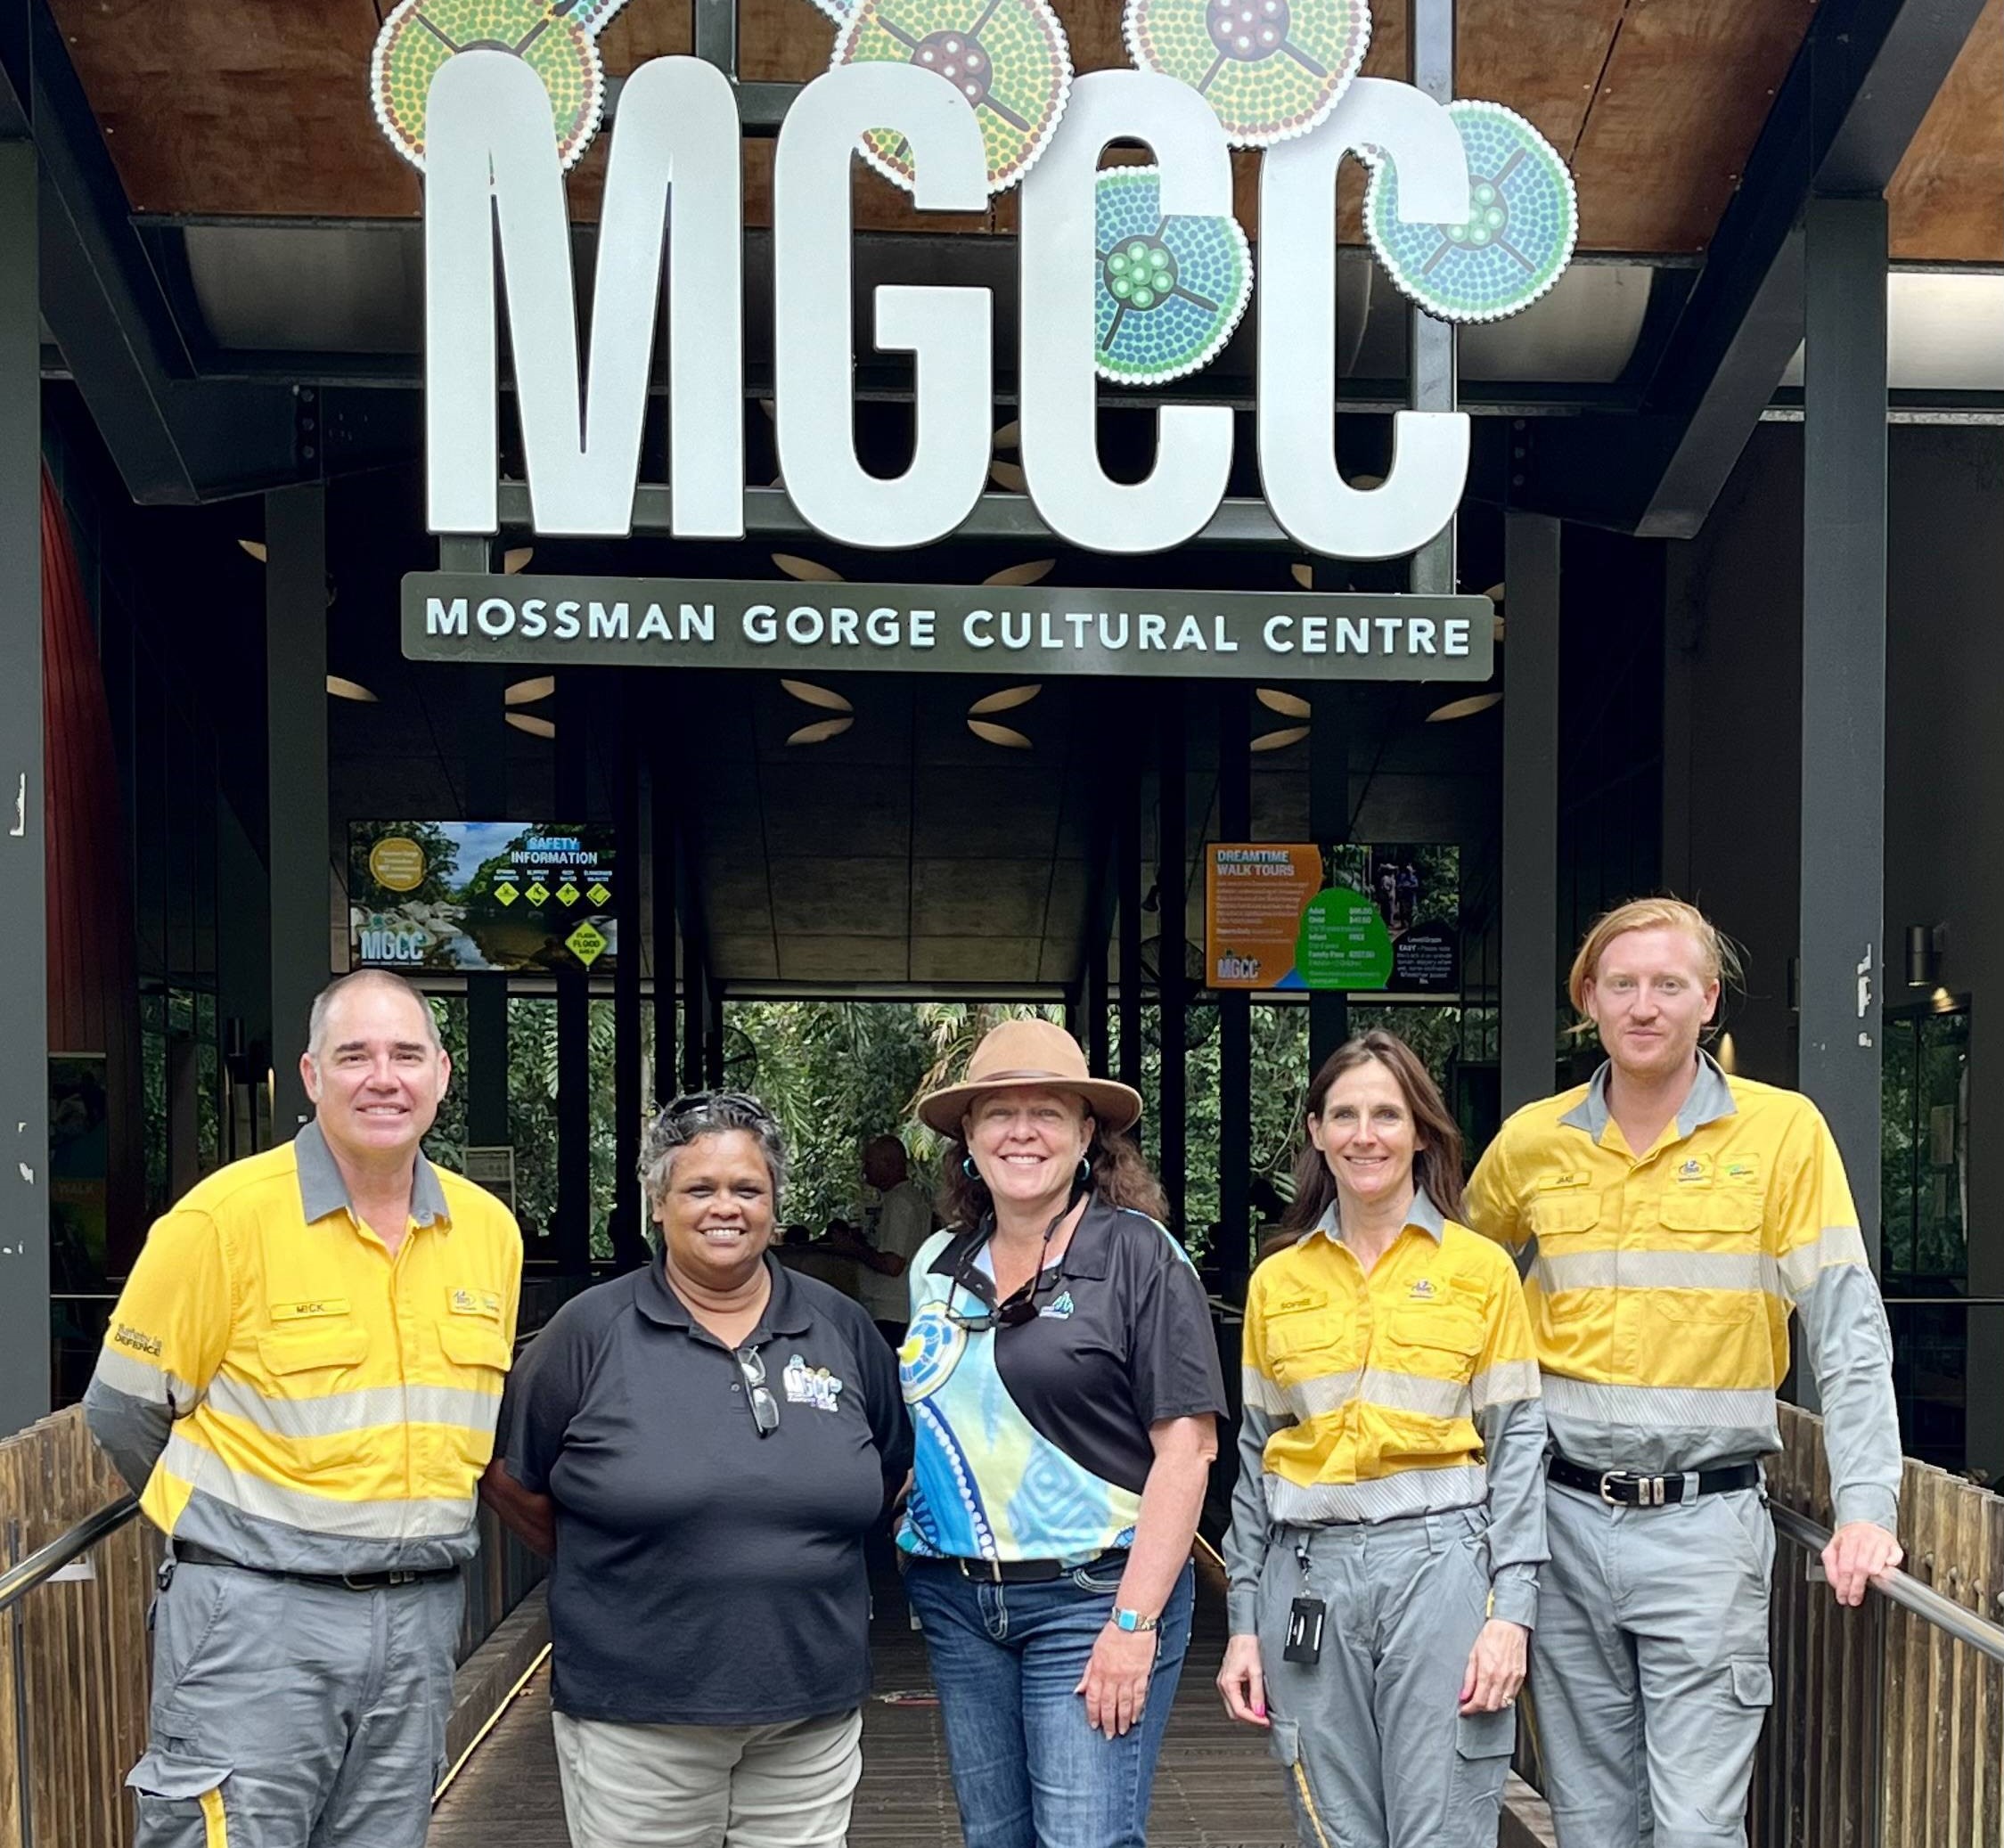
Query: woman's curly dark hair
1120,1178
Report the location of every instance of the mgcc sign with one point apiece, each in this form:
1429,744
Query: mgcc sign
674,208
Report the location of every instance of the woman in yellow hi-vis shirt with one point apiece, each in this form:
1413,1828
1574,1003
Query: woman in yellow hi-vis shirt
1388,1523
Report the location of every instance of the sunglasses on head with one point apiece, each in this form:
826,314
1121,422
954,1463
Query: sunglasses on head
739,1102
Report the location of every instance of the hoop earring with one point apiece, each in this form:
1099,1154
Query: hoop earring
1084,1170
968,1169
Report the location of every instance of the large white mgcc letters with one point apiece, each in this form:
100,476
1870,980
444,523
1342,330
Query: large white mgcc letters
491,161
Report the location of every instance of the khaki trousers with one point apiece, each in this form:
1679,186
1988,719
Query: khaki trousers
709,1786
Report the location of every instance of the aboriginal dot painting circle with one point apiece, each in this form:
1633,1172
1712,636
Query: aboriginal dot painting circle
1524,219
1171,290
1008,58
554,40
931,1351
1271,69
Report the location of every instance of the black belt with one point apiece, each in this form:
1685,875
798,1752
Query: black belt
1629,1488
187,1553
1031,1572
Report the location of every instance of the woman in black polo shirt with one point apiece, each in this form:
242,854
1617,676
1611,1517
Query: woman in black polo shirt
702,1444
1064,1386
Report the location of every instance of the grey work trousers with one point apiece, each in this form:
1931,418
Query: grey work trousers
290,1715
1650,1671
1371,1738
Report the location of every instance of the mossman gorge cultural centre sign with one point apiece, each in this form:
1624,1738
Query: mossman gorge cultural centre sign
943,628
1136,275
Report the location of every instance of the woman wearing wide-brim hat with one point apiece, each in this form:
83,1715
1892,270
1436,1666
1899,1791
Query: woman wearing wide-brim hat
1064,1386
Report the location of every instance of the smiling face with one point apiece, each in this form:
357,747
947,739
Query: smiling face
715,1212
378,1073
1027,1143
1366,1135
1650,996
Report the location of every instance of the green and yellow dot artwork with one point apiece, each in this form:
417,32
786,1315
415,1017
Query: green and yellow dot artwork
1171,290
556,38
1524,219
1271,69
1009,57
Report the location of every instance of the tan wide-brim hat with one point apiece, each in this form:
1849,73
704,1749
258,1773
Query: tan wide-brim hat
1030,1053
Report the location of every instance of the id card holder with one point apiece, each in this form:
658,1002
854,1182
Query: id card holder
1305,1616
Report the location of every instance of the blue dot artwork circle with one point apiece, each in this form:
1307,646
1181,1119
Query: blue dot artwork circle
932,1349
1171,290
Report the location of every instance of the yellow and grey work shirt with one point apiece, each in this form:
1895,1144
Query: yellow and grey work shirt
1409,1389
282,1391
1660,1282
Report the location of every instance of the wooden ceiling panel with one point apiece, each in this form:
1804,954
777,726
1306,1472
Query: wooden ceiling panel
238,105
1686,86
1946,202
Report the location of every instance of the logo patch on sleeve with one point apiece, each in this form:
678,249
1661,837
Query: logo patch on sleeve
476,1301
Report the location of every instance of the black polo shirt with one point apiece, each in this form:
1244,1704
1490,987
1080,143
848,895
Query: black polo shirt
706,1576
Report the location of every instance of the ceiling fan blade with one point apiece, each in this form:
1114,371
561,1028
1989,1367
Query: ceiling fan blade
821,731
809,694
1007,700
1009,476
1003,735
1034,572
1464,709
526,693
1280,740
1304,575
529,722
806,570
254,547
1009,436
1289,705
515,560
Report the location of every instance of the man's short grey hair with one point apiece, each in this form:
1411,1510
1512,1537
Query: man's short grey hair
323,1004
710,1113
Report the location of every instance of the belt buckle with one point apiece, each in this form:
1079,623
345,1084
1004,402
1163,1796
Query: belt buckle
991,1570
1649,1491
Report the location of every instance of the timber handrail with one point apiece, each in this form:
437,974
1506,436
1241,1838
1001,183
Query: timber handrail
1902,1589
42,1565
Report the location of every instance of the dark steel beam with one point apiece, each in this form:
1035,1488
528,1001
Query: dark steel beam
1235,1013
1127,873
1329,824
575,712
1530,864
1172,983
296,721
1843,889
1840,124
24,1087
174,440
628,1249
661,873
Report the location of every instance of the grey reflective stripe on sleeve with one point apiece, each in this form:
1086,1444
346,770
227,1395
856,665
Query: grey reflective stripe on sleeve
131,1431
1660,1269
1851,1354
1245,1542
365,1409
1513,1437
1506,1381
1411,1491
139,1379
1835,1245
1257,1390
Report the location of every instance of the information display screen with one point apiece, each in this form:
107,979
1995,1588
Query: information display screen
1383,918
521,895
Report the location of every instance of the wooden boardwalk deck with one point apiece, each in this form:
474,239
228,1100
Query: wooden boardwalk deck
1216,1788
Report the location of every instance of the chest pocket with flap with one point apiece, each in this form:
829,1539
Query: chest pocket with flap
470,1341
1442,1343
1306,1337
295,1351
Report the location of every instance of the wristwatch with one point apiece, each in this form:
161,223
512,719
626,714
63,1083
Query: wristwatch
1133,1620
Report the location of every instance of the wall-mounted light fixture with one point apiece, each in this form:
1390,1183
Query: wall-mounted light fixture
1925,944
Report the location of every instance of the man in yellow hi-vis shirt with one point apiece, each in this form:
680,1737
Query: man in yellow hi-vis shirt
1669,1218
301,1379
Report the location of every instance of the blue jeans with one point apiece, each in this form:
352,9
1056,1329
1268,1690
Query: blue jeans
1028,1770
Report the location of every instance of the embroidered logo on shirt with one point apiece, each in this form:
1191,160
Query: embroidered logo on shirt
1060,1307
138,1341
810,1385
1693,1172
1743,1168
1423,1290
476,1302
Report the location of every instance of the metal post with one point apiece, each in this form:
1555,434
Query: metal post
24,1207
1434,342
1530,870
628,1247
661,866
574,1008
695,1012
296,716
1844,682
713,1033
1171,980
1128,870
484,738
1235,1013
1328,824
